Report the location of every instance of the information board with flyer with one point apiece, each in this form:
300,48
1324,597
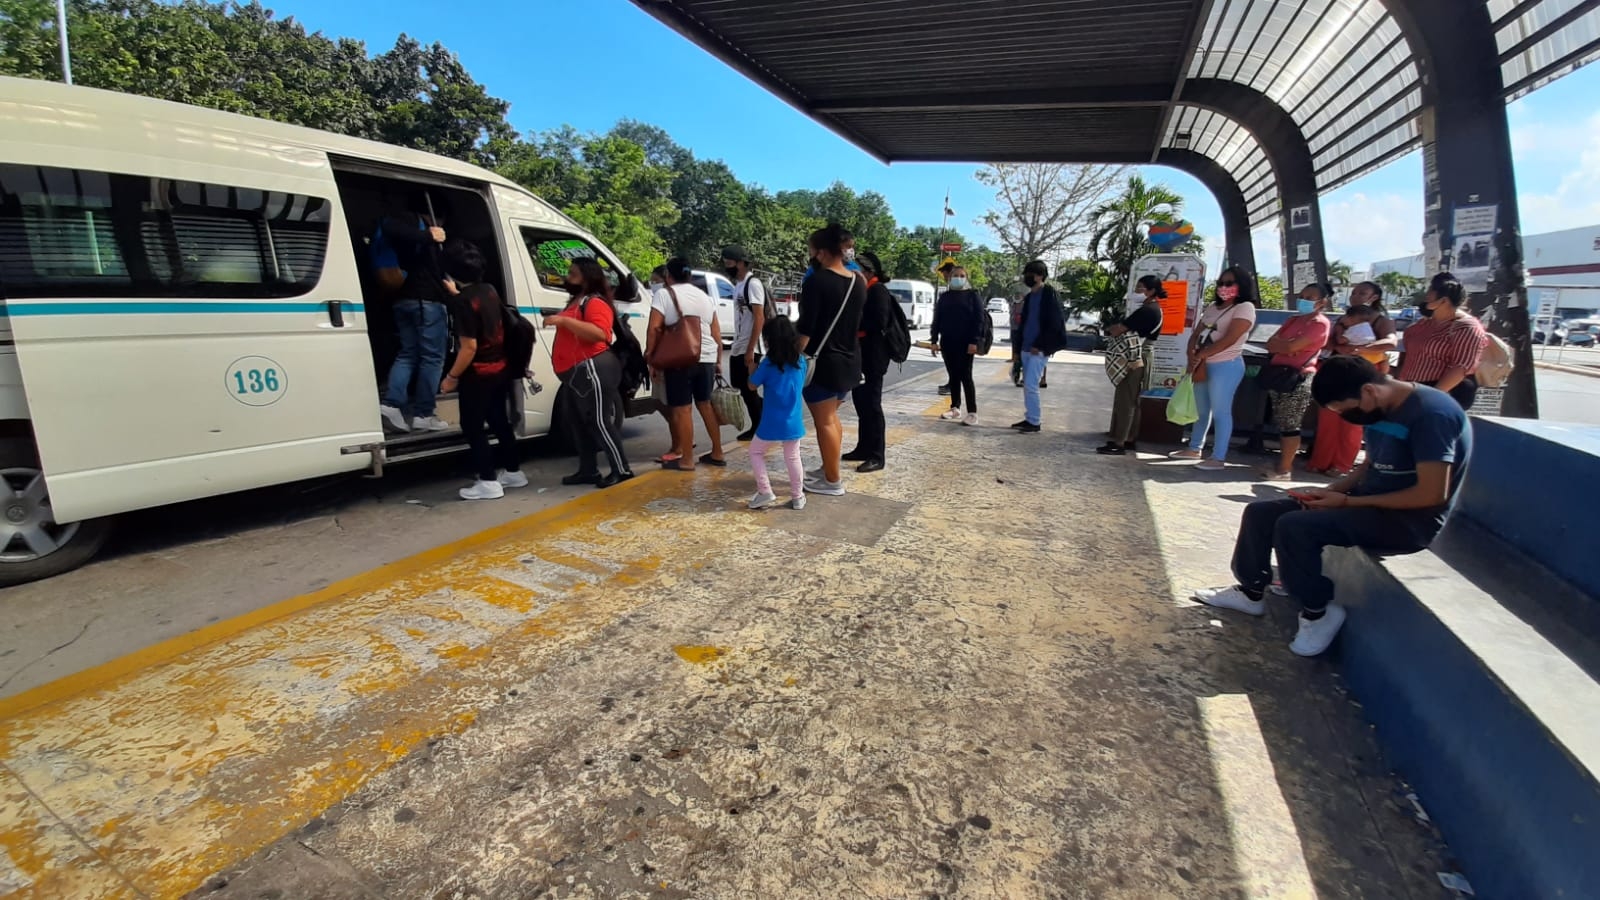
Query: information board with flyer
1183,275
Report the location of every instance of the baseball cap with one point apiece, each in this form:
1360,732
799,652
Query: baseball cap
735,253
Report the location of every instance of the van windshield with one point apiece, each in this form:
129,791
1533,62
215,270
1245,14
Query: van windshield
901,294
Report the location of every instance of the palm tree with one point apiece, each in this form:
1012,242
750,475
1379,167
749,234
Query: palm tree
1398,287
1339,273
1122,223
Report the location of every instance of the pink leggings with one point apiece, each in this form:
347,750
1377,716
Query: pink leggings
791,455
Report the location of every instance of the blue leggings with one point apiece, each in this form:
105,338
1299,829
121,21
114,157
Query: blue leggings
1214,399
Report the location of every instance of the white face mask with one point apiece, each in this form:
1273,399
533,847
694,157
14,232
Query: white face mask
850,255
958,283
656,285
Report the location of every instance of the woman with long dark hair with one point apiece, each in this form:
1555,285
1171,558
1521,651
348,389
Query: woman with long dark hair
1144,326
1443,351
872,430
589,373
478,375
831,300
1216,357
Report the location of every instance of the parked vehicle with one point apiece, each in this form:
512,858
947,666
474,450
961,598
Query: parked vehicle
916,300
999,305
1583,332
1549,330
187,299
720,290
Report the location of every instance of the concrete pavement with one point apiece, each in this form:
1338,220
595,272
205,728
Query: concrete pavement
974,676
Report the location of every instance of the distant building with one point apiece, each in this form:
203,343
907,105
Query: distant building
1563,270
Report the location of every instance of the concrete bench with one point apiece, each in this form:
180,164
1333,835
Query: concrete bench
1477,661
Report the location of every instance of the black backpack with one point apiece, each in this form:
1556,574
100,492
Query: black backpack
625,345
519,336
985,329
896,331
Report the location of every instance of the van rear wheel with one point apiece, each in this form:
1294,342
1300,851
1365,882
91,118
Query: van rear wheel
33,545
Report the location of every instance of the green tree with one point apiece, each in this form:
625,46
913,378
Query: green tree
1122,225
1088,285
1398,288
1339,273
866,215
1271,292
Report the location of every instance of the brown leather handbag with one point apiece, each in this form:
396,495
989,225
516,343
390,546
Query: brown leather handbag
678,346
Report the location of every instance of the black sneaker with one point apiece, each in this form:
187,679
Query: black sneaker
1022,424
1026,428
1043,385
577,478
1111,450
856,455
871,465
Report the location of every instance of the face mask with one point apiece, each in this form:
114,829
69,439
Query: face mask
1423,305
1359,416
656,285
732,272
850,255
573,289
1307,306
1030,280
1228,292
958,283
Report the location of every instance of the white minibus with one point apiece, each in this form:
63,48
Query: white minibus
190,308
916,300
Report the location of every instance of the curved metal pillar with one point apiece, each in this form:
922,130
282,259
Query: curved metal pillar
1305,257
1240,246
1470,190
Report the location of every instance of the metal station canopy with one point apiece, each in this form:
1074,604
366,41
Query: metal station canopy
1114,80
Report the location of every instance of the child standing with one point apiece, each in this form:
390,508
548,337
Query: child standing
781,377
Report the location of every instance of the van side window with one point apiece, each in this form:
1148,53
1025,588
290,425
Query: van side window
552,252
74,232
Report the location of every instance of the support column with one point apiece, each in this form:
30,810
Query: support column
1305,257
1472,226
1240,245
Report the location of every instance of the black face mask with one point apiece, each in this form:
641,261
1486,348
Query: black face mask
732,272
573,289
1360,416
1422,304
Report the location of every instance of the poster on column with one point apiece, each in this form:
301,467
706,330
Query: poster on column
1183,276
1472,245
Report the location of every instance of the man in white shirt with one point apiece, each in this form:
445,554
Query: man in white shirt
749,315
690,386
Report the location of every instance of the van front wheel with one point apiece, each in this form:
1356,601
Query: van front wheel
33,545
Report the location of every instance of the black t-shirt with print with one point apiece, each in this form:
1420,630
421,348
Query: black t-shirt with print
479,317
838,360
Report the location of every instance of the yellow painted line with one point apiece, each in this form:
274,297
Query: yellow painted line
122,666
152,772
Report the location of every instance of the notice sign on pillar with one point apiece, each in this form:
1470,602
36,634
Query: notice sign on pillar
1300,217
1472,243
1183,276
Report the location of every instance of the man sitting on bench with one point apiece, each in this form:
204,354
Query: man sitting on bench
1418,445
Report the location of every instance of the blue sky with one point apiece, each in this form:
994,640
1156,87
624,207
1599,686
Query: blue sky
593,62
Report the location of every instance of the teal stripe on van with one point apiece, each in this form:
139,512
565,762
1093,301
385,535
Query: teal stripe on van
166,307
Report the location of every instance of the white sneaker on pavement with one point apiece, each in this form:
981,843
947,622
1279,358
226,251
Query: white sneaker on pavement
971,419
1231,597
798,501
1315,635
763,499
1271,475
430,423
483,490
952,415
512,480
394,418
1212,465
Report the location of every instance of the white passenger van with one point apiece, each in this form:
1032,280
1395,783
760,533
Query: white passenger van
190,308
916,300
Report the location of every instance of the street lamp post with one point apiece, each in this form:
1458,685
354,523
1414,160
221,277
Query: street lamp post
61,32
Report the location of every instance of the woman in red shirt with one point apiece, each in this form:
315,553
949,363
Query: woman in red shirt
589,373
1443,350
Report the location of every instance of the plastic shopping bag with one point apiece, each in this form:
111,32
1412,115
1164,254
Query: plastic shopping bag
729,404
1181,409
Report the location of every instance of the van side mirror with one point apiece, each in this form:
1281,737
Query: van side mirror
628,289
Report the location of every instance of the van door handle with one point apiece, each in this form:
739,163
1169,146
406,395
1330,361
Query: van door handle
336,312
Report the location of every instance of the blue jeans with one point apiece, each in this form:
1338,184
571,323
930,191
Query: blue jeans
1299,535
1213,398
1032,374
424,335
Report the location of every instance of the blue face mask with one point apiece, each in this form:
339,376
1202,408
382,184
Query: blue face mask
1307,306
958,283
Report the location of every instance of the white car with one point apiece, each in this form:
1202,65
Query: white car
720,290
999,305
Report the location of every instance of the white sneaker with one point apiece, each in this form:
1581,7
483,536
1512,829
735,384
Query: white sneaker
1231,597
1315,635
826,488
430,423
394,418
763,499
971,419
1275,475
1212,465
512,480
952,415
798,502
483,490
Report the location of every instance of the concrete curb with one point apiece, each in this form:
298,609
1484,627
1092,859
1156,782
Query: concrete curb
1570,370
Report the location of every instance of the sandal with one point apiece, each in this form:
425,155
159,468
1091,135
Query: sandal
676,465
719,463
665,458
